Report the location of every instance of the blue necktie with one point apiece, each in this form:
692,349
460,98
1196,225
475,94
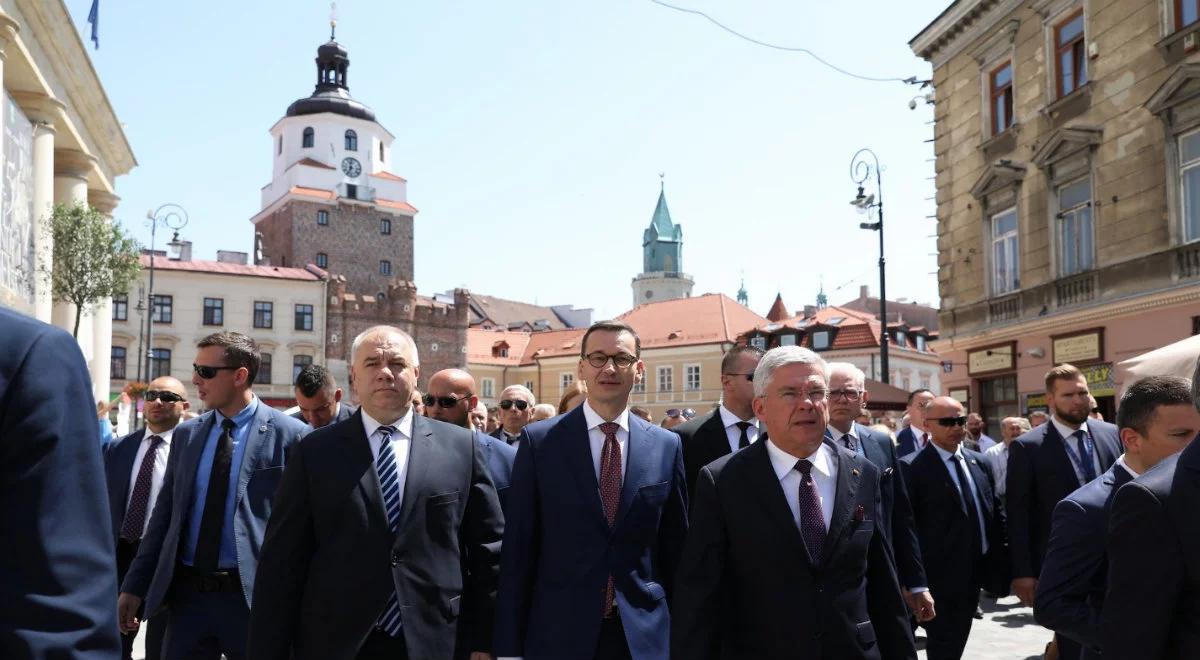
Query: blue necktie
1085,456
389,484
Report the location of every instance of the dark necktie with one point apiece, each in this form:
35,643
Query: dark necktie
924,440
389,484
968,501
139,502
848,441
744,441
812,521
208,546
1085,456
610,493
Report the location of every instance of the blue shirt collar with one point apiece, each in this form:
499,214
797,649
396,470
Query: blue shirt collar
244,415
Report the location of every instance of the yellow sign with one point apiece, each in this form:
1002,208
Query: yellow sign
1080,348
1100,380
1035,402
992,359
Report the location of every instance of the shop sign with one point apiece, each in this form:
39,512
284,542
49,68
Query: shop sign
1035,401
1078,347
1100,379
961,395
993,358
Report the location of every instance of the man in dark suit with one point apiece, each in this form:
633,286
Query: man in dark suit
385,537
785,557
959,521
597,515
134,467
1044,466
199,554
1157,419
914,437
731,426
516,411
847,397
319,398
1152,605
451,398
58,571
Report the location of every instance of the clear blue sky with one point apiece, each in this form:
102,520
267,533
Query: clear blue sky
532,134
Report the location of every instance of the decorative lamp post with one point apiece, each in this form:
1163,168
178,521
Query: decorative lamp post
860,172
173,217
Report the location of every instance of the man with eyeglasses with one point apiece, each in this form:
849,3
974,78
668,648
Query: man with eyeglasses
786,557
960,525
732,426
595,523
451,398
134,468
199,555
847,398
516,411
319,397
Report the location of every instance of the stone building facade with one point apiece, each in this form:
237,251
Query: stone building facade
1068,189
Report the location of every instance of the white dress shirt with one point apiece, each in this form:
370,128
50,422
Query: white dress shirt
400,443
734,433
947,460
997,455
513,440
596,437
1073,445
1125,466
156,477
824,476
919,435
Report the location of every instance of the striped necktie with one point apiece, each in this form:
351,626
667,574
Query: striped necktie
389,485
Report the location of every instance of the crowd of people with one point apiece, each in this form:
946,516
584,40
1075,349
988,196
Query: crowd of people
384,522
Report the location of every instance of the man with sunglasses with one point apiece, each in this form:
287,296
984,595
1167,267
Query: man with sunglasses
199,556
732,425
451,398
595,523
516,411
319,398
959,522
134,468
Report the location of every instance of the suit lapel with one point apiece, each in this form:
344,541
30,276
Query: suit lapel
1104,449
983,492
849,475
125,467
764,480
713,431
941,472
360,460
637,451
191,457
1057,447
870,447
259,435
419,450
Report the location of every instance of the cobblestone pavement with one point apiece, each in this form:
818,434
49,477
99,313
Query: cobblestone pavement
1007,632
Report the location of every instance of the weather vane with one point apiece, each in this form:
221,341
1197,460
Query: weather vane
332,20
662,184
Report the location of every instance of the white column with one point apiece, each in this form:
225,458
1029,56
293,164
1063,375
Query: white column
43,111
105,202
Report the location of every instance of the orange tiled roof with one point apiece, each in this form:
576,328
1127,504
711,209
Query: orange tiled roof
223,268
778,309
392,204
312,163
856,329
312,192
329,194
708,319
388,175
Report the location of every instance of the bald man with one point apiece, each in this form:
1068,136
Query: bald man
134,467
451,398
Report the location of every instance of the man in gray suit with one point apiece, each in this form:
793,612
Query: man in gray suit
199,555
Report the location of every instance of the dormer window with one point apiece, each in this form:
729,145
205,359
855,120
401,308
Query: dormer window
820,340
306,141
351,140
500,349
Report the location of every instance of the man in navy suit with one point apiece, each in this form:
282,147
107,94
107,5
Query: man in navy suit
134,467
319,398
597,514
960,524
1044,466
914,437
199,555
786,557
1157,419
847,398
58,570
450,397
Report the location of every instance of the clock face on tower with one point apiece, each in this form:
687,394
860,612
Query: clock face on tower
351,167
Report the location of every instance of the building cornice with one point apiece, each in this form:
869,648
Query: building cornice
959,26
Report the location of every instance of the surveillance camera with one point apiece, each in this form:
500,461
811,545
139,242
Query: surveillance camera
912,104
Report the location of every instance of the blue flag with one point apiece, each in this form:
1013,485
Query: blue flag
94,19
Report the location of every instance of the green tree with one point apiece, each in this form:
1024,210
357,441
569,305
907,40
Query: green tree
94,258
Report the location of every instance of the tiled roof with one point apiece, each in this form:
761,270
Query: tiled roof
504,313
401,206
329,194
312,192
523,347
312,163
223,268
388,175
708,319
778,309
855,329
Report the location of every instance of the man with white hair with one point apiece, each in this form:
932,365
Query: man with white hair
1011,428
785,557
516,411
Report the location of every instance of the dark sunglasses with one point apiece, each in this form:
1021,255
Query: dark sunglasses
749,376
444,401
165,397
686,413
207,372
951,421
509,403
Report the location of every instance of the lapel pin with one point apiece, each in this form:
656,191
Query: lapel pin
855,473
262,429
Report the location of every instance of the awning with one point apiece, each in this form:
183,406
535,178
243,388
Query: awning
1178,359
881,396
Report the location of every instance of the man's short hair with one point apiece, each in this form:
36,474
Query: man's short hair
781,356
1019,421
1063,371
611,326
520,389
913,394
856,373
314,378
736,352
1140,402
362,336
240,351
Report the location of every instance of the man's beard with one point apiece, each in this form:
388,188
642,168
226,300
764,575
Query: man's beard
1067,416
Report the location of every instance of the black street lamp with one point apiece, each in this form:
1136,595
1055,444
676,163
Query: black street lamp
174,218
860,172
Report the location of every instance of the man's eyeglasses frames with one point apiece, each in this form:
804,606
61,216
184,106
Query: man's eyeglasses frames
507,404
620,360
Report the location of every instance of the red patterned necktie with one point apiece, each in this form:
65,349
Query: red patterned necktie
610,492
812,522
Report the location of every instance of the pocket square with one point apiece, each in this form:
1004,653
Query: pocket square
860,514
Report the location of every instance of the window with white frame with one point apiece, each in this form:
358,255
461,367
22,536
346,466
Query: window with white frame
1075,237
759,342
665,379
691,377
820,340
639,386
1006,264
487,387
924,380
565,381
787,340
1189,184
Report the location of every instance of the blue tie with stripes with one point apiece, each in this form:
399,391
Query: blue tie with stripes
389,484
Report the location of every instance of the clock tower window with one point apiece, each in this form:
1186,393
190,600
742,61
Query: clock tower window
351,140
307,140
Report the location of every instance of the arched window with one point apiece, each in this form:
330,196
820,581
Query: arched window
351,140
307,141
